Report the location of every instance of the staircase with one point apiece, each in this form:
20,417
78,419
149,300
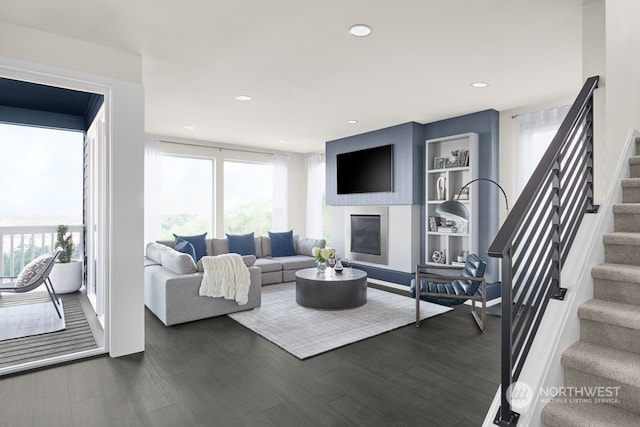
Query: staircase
608,353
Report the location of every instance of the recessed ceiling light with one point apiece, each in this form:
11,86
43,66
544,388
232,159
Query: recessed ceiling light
282,141
352,122
479,84
360,30
243,98
189,127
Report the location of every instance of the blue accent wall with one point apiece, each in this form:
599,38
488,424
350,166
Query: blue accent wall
486,125
408,151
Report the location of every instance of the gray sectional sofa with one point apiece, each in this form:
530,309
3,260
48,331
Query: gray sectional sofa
172,279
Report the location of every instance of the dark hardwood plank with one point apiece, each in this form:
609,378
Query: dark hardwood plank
216,372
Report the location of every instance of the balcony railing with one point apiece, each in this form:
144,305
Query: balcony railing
20,244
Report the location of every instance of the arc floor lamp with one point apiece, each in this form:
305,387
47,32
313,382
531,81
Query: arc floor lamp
455,210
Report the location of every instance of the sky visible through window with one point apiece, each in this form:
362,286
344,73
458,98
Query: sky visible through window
40,176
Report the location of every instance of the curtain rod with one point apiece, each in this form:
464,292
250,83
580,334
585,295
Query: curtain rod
215,147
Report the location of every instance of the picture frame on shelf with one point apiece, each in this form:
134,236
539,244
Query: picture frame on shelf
451,162
438,163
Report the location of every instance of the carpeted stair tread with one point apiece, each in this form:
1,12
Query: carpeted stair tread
616,272
612,313
634,160
630,182
626,208
587,414
605,362
622,238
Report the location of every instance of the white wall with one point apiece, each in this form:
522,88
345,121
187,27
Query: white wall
622,82
51,59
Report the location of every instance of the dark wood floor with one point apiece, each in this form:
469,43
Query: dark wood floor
217,373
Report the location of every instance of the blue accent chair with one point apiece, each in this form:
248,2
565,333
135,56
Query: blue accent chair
452,290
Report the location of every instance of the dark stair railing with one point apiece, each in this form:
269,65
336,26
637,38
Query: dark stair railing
536,237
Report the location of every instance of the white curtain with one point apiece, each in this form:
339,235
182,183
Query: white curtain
315,193
280,219
534,134
152,221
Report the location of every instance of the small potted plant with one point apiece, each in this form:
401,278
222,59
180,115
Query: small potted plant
461,255
66,274
452,160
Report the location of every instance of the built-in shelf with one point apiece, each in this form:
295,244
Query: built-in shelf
444,183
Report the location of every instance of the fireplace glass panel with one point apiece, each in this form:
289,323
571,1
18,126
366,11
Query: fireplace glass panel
365,234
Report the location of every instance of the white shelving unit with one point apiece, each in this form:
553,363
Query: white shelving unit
450,178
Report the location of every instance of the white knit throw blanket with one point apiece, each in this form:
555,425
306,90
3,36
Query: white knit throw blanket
225,276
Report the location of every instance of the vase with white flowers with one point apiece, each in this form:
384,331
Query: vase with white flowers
322,255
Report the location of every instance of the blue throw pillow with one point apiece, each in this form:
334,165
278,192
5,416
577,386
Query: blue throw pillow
199,244
282,244
243,244
185,247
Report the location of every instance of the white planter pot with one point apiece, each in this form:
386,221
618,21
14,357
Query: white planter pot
66,277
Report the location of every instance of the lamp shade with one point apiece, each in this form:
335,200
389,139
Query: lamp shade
453,209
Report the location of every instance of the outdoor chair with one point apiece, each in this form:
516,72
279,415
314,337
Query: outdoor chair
33,275
452,290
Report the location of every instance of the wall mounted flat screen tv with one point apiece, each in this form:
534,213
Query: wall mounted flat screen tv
365,171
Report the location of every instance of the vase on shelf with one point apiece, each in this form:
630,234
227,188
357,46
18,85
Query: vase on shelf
322,266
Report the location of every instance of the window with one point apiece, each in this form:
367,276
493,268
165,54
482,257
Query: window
318,213
248,196
535,132
186,194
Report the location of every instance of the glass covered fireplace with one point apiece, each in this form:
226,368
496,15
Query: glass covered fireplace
366,234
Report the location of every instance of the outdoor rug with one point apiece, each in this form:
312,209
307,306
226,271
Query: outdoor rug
306,332
26,320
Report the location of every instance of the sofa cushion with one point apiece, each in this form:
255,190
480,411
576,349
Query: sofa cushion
282,244
305,245
178,262
185,247
249,260
268,265
297,262
199,243
219,246
243,244
154,251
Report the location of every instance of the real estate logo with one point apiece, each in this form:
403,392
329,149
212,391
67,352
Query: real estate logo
519,395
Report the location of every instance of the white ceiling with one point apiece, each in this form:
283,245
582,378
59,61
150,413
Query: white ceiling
307,76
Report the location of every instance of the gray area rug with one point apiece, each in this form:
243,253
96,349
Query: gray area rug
306,332
29,319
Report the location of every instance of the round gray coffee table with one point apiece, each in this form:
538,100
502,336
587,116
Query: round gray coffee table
332,291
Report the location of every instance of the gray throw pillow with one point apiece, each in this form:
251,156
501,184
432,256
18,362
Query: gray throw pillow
305,245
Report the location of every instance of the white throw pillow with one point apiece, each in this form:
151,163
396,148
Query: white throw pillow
31,270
